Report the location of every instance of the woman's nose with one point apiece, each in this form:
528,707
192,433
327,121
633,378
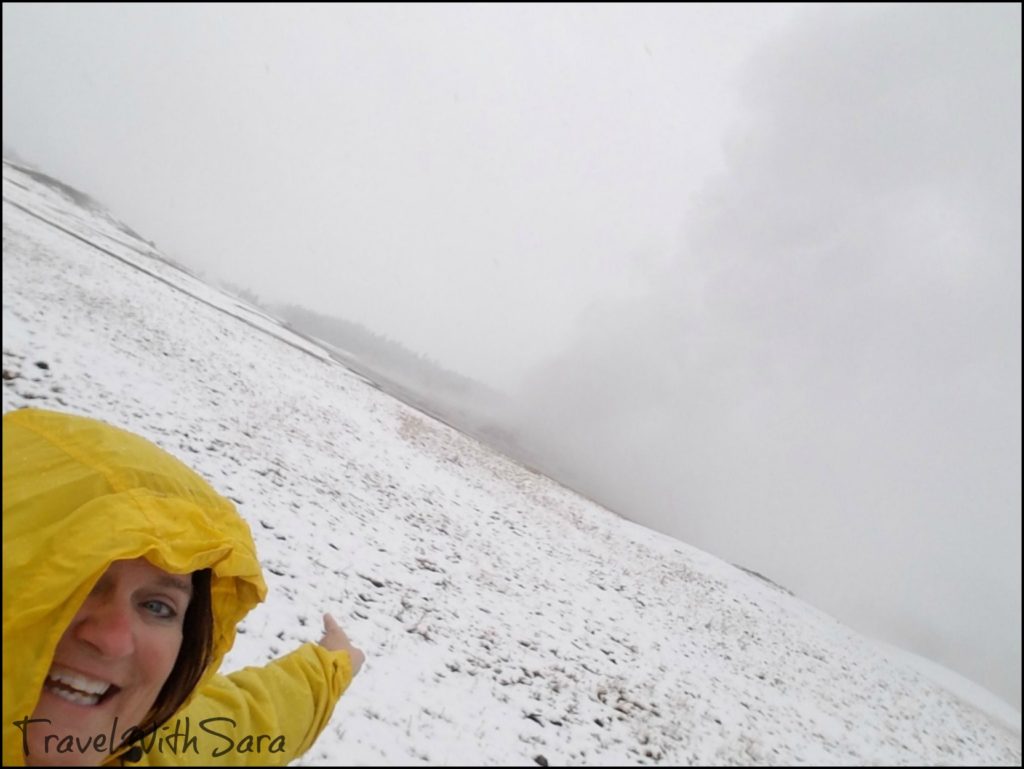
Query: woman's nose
107,626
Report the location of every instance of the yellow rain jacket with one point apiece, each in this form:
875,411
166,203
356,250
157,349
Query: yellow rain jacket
78,495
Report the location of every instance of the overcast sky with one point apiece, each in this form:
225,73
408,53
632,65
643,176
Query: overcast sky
464,179
759,267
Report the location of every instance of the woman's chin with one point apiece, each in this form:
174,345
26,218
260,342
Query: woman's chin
77,733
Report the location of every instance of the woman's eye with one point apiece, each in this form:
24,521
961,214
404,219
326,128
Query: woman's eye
160,609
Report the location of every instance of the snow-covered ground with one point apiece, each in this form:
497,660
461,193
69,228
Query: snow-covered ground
505,619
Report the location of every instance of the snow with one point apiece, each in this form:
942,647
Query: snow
504,618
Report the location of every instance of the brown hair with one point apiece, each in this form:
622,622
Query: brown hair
193,657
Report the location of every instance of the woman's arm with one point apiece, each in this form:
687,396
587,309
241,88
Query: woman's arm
267,715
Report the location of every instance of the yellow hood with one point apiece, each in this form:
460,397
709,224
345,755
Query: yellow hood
78,495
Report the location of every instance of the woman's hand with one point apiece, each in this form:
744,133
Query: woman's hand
335,640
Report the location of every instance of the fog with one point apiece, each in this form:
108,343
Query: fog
751,274
463,179
823,384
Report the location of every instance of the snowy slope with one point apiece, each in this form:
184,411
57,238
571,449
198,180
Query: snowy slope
504,618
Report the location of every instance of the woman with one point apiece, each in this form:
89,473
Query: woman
125,576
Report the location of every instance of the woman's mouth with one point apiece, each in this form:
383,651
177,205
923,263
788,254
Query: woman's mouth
78,688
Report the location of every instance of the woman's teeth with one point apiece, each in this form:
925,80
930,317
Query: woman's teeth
75,687
71,696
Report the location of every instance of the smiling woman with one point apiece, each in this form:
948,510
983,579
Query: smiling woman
125,576
118,655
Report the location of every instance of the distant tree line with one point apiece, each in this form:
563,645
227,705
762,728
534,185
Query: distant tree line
377,351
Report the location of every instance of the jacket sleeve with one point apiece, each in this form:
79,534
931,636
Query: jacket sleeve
264,716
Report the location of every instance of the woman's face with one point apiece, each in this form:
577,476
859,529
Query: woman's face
111,662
